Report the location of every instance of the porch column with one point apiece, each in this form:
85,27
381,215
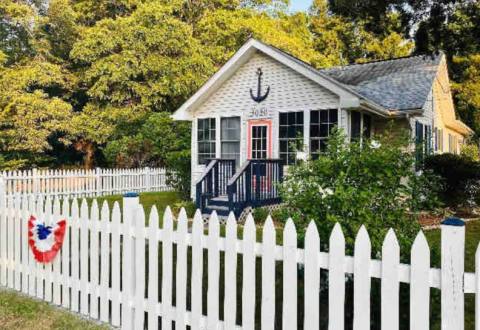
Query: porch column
306,129
218,136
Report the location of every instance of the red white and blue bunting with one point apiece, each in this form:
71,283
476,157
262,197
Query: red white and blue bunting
45,241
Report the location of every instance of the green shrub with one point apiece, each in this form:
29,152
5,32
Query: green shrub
460,177
260,214
357,184
178,165
470,151
189,206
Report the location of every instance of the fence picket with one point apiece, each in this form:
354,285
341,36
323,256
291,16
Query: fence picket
75,221
248,290
213,271
289,276
104,261
140,267
39,266
31,260
3,240
94,276
65,255
57,294
477,288
153,269
312,278
115,225
167,275
181,275
336,279
230,312
390,284
48,266
25,249
18,234
361,280
268,275
84,248
419,284
197,271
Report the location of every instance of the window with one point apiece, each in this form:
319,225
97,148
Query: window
360,126
230,137
291,131
206,139
321,124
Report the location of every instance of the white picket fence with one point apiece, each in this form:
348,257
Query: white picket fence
85,183
105,251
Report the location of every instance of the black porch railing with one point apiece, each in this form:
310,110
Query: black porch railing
213,182
255,185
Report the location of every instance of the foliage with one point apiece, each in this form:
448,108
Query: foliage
356,184
157,137
178,166
260,214
189,207
460,178
470,151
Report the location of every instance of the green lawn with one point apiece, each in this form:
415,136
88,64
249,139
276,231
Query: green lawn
20,313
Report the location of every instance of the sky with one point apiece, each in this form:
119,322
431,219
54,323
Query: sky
297,5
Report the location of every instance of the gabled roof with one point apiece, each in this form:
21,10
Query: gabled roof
383,86
348,97
397,84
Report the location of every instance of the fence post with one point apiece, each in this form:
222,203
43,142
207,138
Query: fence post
99,181
130,202
453,259
147,179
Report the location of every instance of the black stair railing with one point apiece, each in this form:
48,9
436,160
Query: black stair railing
255,185
213,182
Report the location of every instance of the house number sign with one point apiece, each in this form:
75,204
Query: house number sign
258,113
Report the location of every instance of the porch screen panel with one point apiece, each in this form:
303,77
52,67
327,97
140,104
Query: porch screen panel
321,124
291,132
206,134
230,137
355,126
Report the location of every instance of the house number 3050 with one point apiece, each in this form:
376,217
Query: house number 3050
259,112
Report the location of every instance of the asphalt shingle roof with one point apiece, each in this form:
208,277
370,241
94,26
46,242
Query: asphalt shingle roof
397,84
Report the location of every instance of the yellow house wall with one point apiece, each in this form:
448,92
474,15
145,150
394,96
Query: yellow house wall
450,139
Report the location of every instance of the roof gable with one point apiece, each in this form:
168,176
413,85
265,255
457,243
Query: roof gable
348,97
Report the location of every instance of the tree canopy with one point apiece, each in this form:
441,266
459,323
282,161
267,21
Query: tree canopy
85,77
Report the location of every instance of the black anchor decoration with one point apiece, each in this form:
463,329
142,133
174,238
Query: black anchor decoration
259,98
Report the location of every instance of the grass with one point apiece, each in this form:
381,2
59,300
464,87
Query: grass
19,312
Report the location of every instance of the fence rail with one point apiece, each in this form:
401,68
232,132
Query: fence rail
106,250
85,183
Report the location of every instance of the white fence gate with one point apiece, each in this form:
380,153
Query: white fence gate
85,183
105,251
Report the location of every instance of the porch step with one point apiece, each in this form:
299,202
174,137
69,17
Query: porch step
219,201
220,209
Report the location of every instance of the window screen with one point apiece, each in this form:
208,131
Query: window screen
206,133
230,137
291,132
321,124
